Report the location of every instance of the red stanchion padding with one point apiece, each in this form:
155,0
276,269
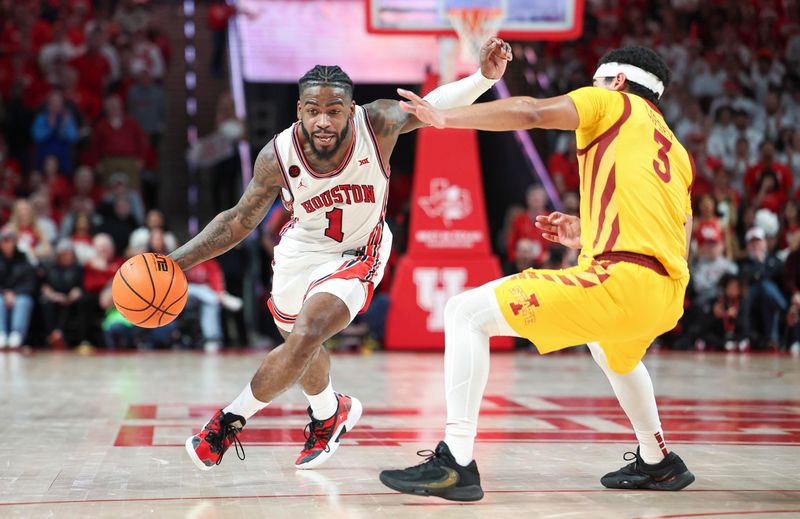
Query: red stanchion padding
448,215
420,290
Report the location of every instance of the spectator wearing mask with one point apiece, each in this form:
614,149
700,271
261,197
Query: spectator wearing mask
18,283
61,290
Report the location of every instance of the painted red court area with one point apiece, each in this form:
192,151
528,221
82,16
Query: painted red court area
753,422
103,436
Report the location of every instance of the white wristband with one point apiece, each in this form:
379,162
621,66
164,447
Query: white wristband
460,93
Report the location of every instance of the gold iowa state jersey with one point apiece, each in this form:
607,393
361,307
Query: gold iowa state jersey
635,179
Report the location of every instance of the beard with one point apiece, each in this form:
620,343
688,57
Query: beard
337,141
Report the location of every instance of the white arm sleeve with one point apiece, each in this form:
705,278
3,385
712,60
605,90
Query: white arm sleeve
460,93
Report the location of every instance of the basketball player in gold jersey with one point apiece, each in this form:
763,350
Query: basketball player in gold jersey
627,288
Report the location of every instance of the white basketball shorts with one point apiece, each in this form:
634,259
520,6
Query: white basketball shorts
351,277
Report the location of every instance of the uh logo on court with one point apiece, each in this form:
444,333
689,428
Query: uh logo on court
434,287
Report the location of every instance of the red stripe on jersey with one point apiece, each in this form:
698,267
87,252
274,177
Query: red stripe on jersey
565,280
374,140
614,128
603,142
612,238
605,198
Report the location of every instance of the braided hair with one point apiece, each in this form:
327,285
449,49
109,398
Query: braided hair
330,75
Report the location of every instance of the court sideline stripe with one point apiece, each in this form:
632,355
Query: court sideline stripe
358,494
713,514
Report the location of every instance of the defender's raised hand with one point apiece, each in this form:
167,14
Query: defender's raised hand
561,228
425,112
495,55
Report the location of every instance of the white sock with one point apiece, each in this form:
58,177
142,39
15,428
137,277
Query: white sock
634,391
324,404
470,318
246,404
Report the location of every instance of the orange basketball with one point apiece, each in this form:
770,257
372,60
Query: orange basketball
149,290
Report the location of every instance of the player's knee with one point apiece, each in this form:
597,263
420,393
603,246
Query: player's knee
459,308
302,341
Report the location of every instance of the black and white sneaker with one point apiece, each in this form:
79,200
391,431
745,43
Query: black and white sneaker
439,475
668,474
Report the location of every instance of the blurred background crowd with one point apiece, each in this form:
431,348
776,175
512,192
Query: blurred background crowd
83,113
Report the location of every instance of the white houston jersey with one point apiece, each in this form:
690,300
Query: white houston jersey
337,211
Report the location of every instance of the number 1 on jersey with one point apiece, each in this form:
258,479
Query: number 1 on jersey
334,230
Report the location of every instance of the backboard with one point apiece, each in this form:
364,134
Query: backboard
524,19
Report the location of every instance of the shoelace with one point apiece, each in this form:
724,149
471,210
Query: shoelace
217,438
634,459
314,432
430,459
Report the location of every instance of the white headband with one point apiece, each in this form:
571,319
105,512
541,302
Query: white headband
635,74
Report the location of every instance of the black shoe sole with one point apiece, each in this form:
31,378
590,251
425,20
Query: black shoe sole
468,493
679,482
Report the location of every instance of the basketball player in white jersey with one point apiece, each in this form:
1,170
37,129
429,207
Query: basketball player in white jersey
331,169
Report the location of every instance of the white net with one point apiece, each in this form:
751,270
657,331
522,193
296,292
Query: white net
474,26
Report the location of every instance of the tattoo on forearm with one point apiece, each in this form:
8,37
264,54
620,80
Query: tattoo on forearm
231,226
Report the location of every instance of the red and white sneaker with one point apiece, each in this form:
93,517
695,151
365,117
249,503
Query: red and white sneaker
209,445
322,436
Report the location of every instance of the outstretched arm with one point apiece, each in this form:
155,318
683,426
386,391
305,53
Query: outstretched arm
514,113
389,120
231,226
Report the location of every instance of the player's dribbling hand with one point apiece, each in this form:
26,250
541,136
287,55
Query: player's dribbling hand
495,55
560,228
425,112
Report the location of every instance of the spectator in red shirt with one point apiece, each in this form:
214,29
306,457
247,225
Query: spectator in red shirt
526,246
563,168
218,15
97,273
87,102
783,175
119,142
92,66
207,290
58,187
707,227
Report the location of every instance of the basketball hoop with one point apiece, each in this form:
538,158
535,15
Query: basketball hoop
474,26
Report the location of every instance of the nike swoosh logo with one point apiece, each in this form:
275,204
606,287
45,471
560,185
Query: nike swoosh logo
450,479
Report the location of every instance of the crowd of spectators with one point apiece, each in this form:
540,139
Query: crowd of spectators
734,102
82,112
82,108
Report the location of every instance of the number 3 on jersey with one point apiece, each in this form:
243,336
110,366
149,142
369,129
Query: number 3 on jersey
662,170
334,230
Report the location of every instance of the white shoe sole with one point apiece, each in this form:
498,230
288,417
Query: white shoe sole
347,426
194,457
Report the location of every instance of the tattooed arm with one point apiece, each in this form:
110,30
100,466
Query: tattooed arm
231,226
